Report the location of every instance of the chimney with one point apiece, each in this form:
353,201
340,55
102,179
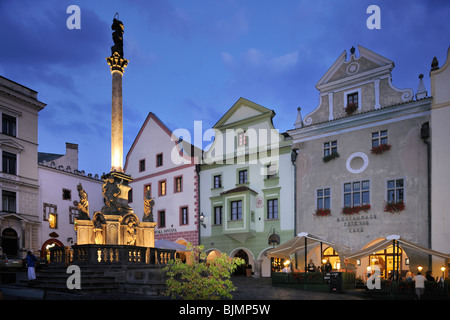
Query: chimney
72,155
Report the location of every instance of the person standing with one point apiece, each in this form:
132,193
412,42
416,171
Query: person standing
31,263
419,280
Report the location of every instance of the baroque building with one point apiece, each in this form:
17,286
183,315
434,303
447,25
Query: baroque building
163,168
362,164
247,187
59,181
19,215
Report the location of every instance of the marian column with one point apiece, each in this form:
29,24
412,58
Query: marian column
117,65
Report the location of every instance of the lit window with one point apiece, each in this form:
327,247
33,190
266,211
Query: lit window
53,220
178,184
162,188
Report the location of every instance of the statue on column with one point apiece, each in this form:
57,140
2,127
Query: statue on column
117,36
83,205
148,207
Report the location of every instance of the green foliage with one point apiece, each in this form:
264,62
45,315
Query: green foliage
201,279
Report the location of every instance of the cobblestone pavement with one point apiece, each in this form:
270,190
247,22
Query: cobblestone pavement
262,289
246,289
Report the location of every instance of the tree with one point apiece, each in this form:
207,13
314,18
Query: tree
201,279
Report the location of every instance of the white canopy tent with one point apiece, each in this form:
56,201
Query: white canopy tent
300,242
389,240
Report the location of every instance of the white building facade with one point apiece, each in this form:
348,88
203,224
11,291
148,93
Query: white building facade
19,215
163,165
59,179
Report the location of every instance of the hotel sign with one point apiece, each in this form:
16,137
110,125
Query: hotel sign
356,223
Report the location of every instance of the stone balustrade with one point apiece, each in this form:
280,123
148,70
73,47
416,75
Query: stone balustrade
92,254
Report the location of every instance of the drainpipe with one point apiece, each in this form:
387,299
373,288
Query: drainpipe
197,170
425,136
294,154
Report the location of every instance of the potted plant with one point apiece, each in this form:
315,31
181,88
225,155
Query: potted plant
322,212
330,157
347,210
248,270
394,206
381,148
351,107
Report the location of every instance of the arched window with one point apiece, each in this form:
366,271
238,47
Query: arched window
331,255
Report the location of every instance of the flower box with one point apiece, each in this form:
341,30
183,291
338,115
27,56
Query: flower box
355,209
351,107
394,207
330,157
322,212
381,148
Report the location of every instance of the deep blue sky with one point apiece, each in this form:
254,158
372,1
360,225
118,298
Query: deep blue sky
192,60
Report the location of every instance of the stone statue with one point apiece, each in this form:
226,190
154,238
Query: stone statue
117,36
111,191
131,234
99,221
148,207
83,205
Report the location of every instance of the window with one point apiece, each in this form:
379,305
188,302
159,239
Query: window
66,194
329,148
9,201
9,162
162,188
53,221
159,160
73,213
379,138
242,139
178,184
243,176
162,219
236,210
8,125
148,188
130,196
357,193
141,165
395,190
323,198
48,209
184,216
272,170
352,99
218,215
272,209
218,181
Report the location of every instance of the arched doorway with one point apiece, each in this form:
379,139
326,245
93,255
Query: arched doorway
241,270
45,249
329,254
10,242
387,260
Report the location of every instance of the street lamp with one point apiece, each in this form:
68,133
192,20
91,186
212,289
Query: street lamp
420,268
443,270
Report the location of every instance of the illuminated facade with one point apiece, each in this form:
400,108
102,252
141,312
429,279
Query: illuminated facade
363,163
58,180
247,187
163,166
19,215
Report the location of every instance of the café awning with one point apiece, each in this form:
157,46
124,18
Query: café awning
389,241
166,244
301,241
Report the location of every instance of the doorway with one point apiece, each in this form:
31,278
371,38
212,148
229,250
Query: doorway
10,242
241,270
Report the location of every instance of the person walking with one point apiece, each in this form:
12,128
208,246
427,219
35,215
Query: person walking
419,280
31,263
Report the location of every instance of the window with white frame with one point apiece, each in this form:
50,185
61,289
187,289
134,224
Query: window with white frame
356,193
272,209
379,138
395,190
218,215
323,198
329,148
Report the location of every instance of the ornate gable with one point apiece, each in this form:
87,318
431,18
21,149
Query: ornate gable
354,85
